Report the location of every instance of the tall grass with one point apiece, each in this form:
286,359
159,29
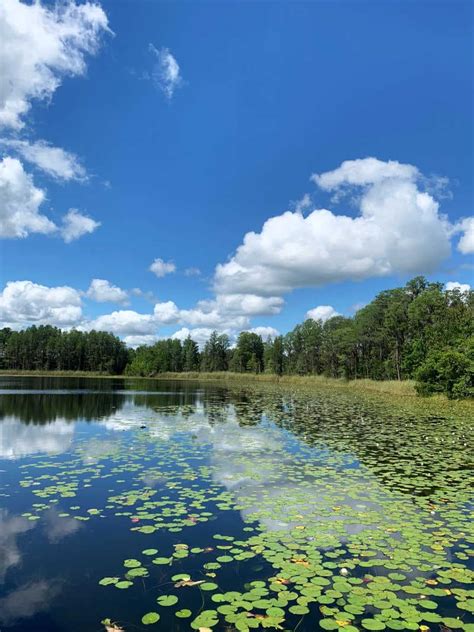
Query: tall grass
404,387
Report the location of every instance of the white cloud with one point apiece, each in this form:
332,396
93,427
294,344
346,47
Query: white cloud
24,303
103,291
75,225
20,201
364,171
166,313
455,285
466,243
148,296
247,304
162,268
125,322
322,312
40,46
199,334
54,161
138,341
166,73
398,231
191,272
304,204
265,332
210,316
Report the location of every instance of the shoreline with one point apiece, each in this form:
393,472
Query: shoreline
405,388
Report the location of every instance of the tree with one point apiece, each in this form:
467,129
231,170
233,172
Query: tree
274,358
248,354
450,372
215,354
190,355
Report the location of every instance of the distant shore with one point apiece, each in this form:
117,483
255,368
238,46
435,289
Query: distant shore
404,387
398,393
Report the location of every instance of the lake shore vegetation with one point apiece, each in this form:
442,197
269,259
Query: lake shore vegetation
420,336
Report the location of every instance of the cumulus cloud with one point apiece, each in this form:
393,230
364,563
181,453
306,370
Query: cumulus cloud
166,313
466,243
265,332
20,202
24,303
304,204
222,314
103,291
205,315
455,285
364,171
125,322
398,231
138,341
20,207
322,312
247,304
56,162
199,334
162,268
75,225
166,72
40,46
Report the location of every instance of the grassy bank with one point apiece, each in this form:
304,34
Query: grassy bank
403,388
400,393
17,373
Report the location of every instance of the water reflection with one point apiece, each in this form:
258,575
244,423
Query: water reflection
28,600
313,475
59,527
11,527
19,440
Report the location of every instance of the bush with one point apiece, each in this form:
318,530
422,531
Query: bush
450,372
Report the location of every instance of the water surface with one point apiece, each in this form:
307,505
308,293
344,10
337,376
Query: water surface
177,506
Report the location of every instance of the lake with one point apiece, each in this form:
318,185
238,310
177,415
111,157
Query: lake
176,506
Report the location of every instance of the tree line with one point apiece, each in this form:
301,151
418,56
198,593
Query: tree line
48,348
420,331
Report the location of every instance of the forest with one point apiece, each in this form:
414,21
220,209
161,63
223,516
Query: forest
420,331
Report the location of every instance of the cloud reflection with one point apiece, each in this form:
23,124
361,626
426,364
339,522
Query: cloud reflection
20,440
10,528
27,600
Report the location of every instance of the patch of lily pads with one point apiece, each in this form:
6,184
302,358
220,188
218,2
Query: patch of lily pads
356,518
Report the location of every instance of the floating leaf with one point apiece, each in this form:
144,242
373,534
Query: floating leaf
150,617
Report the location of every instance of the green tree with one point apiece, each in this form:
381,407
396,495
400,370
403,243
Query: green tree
190,355
248,354
450,372
215,354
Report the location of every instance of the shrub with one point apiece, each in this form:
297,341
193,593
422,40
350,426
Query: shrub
450,372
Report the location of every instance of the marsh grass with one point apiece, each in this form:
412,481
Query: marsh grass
405,387
397,392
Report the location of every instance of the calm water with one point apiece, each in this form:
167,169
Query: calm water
200,507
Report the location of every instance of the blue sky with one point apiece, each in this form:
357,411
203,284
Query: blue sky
179,165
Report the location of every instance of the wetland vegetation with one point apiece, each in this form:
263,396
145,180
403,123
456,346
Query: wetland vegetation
419,332
147,504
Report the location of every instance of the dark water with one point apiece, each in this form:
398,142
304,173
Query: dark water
277,511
